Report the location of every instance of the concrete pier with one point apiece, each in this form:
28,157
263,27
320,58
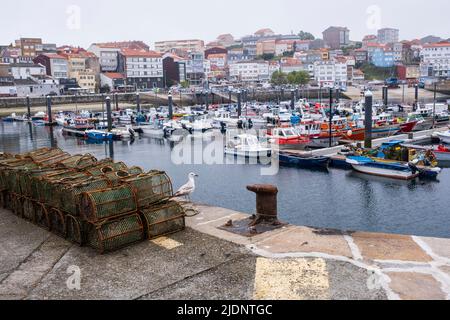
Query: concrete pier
204,262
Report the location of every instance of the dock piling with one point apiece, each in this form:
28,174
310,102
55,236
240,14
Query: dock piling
293,100
416,97
368,119
28,108
109,113
138,102
49,110
170,99
116,97
331,118
239,103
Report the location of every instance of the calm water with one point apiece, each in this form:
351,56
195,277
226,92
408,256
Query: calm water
335,199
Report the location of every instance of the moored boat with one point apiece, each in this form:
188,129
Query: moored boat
444,137
299,161
99,135
247,146
394,170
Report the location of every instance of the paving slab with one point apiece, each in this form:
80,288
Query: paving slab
389,247
416,286
18,240
301,239
233,280
28,274
441,247
135,271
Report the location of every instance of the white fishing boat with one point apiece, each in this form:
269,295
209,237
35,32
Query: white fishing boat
444,137
200,124
247,146
225,117
124,133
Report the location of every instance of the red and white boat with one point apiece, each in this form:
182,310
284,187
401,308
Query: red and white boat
286,137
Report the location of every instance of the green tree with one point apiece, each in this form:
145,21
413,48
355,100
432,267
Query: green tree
279,78
184,84
298,78
306,35
266,56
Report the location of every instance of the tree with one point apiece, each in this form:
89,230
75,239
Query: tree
184,84
279,78
266,56
306,36
298,78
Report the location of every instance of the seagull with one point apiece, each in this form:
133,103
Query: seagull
188,188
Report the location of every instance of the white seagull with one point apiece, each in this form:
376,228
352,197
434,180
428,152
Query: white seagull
188,188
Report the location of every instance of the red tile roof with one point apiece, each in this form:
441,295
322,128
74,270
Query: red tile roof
114,75
140,53
54,56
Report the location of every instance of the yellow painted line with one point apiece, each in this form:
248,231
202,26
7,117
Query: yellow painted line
291,279
167,243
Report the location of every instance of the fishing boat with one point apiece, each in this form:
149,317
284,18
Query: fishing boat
224,118
247,146
77,127
197,124
303,161
39,116
444,137
99,135
394,170
286,137
442,153
394,155
125,133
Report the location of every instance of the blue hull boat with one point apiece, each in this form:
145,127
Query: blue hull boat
99,135
292,160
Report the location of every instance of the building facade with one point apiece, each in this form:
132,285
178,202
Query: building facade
108,56
331,74
436,60
388,35
56,65
383,58
186,45
26,70
336,37
143,69
249,71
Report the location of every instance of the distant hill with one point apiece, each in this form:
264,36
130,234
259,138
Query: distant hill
430,39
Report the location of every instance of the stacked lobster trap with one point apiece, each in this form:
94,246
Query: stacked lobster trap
103,204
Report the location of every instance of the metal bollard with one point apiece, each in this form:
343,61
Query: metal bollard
266,204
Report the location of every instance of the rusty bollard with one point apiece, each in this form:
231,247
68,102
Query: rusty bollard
266,204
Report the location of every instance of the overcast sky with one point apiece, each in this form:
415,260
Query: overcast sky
82,22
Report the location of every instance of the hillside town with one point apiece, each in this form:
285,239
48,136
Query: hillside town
31,67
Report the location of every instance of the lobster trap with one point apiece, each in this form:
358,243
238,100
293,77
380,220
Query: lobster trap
108,203
104,204
164,219
114,234
151,188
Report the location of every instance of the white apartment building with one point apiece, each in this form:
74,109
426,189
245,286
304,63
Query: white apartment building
143,69
108,56
26,70
331,73
436,60
250,71
187,45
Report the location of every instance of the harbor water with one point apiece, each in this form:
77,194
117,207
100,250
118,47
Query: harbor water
335,199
